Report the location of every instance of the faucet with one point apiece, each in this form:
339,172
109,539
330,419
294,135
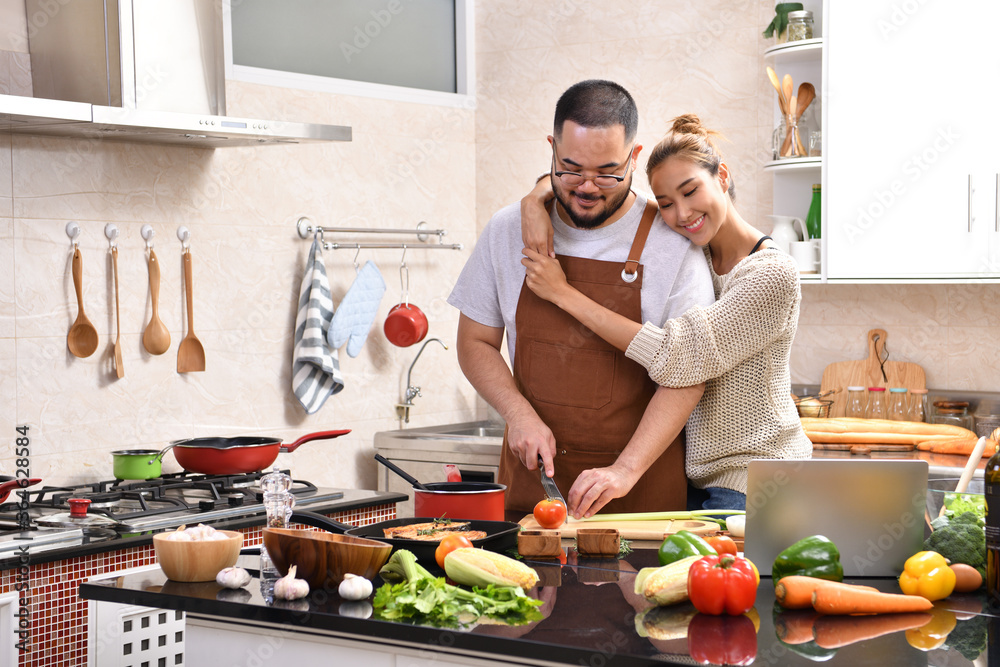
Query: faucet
403,409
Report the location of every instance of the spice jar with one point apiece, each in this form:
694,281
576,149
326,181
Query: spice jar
918,405
855,402
876,403
800,25
278,503
897,404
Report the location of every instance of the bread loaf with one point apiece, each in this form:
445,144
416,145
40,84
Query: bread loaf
852,430
962,446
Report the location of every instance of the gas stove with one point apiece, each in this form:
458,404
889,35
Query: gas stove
123,508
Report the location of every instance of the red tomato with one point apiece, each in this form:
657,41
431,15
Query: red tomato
722,584
449,544
550,513
723,544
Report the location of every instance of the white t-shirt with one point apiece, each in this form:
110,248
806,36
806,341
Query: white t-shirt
675,273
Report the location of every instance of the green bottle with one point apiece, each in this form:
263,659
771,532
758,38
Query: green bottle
813,225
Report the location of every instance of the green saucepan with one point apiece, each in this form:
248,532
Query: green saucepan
137,463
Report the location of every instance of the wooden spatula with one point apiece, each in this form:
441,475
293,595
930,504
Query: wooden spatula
190,354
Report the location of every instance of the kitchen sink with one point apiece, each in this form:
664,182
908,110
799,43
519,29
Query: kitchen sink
473,430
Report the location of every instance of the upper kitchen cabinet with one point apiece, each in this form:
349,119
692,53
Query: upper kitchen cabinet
911,165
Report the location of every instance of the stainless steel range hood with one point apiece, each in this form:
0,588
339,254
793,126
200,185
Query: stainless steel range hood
139,70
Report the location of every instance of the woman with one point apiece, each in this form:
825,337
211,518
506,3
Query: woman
739,346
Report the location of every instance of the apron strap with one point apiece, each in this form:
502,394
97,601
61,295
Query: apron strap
631,270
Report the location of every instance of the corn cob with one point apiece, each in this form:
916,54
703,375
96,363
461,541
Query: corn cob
665,585
479,567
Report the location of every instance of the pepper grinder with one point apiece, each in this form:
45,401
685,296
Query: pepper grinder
278,503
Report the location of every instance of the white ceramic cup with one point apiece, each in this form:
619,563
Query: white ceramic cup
806,255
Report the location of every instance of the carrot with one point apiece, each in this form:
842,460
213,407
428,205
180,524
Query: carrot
838,631
795,626
796,591
850,599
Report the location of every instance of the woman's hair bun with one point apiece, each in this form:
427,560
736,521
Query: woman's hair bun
689,123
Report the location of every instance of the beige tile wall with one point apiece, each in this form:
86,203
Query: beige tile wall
408,162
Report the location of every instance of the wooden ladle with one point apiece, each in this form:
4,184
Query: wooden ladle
156,337
82,338
119,364
190,354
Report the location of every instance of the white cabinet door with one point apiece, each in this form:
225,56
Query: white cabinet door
911,114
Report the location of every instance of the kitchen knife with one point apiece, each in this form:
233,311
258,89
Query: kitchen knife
551,490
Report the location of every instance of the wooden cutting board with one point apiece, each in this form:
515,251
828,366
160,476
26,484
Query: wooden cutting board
840,375
630,530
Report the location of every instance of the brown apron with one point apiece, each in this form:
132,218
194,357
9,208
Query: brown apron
587,392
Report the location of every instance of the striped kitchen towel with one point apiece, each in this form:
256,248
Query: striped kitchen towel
315,366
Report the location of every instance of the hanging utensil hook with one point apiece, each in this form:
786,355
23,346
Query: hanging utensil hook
356,255
404,278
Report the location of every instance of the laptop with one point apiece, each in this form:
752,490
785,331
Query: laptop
873,510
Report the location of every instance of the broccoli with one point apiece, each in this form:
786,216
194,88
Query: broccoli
969,637
962,540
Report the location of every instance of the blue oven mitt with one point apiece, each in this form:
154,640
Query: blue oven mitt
356,313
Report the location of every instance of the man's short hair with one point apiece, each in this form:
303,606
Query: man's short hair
597,103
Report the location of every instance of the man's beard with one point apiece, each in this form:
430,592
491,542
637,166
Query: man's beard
597,218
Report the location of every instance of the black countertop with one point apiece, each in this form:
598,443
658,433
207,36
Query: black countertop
102,540
591,615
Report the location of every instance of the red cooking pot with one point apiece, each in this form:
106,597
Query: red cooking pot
481,501
405,325
239,455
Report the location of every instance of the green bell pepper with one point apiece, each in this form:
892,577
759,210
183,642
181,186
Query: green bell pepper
814,556
682,544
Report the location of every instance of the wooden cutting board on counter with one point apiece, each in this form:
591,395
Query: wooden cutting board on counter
630,530
840,375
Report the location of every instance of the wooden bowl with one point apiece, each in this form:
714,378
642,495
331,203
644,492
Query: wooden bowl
196,560
323,558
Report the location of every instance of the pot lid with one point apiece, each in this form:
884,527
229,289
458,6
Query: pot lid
77,516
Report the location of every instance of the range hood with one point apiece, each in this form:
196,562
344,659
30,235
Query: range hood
141,71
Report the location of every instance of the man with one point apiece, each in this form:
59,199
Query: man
593,416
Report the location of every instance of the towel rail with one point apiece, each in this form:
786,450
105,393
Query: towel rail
307,229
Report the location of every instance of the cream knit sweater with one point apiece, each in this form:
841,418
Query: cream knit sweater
739,346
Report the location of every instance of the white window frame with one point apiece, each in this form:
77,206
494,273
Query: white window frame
465,70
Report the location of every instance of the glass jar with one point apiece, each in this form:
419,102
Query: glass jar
876,403
952,412
918,405
855,402
897,404
800,26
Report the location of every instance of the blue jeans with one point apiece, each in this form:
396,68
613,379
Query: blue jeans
715,498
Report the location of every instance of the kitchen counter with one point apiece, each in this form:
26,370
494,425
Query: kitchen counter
592,617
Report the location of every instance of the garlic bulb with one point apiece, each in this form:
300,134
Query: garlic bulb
290,588
233,577
354,587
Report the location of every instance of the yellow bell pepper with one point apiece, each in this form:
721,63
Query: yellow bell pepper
927,574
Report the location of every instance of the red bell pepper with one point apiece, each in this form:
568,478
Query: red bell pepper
718,584
722,640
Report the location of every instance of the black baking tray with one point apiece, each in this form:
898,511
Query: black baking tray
501,536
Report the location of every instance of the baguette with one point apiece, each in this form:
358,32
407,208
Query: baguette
856,425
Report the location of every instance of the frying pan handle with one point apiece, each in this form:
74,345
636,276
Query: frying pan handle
318,521
318,435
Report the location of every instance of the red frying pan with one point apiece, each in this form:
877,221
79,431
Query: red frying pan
8,484
239,455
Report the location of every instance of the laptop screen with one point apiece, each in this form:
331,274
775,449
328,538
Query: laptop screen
873,510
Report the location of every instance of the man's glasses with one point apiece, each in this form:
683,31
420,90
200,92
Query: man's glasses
603,181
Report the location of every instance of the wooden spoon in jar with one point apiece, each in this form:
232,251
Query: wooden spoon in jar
156,337
82,339
807,93
782,102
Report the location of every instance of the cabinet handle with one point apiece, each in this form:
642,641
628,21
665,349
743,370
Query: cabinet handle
970,203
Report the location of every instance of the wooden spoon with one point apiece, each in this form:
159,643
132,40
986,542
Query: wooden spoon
82,338
119,364
190,354
807,93
156,338
782,102
786,88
